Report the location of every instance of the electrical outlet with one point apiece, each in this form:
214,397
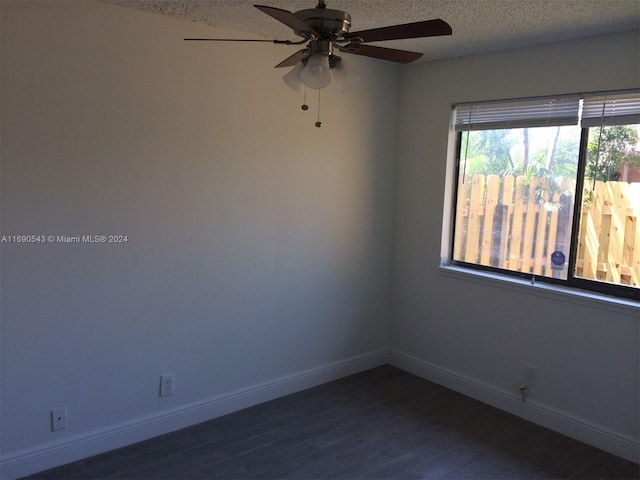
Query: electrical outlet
167,384
58,419
531,375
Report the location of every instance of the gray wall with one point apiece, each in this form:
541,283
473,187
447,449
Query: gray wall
263,255
474,334
258,254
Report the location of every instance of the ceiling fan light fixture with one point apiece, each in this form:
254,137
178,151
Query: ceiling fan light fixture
292,78
315,74
345,74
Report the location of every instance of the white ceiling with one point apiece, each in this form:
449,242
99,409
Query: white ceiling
478,25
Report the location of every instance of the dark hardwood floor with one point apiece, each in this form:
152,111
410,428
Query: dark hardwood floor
380,424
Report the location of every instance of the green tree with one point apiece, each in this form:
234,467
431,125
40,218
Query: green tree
489,152
608,148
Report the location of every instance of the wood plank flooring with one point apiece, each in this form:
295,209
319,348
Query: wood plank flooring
380,424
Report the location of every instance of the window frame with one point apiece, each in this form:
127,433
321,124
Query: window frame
572,281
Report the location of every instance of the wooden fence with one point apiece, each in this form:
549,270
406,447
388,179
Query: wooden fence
525,226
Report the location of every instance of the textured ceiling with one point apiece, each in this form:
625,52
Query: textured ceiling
478,25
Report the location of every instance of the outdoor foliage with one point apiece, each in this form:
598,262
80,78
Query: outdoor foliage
547,154
522,151
608,148
550,151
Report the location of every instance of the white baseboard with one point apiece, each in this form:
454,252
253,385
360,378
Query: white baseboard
53,454
558,421
92,443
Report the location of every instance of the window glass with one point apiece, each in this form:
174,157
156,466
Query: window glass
516,190
549,187
609,238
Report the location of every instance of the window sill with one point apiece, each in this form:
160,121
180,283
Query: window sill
554,292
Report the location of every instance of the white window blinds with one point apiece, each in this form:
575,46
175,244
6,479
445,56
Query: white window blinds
611,109
535,112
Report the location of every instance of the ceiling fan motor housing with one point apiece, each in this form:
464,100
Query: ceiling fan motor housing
328,23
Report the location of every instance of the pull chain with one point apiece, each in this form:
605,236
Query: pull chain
305,107
318,123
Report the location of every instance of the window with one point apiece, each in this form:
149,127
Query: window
550,188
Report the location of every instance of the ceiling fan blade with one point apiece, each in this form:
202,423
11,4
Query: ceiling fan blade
389,54
293,59
427,28
290,20
230,40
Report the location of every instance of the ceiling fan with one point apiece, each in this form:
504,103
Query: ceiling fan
324,31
